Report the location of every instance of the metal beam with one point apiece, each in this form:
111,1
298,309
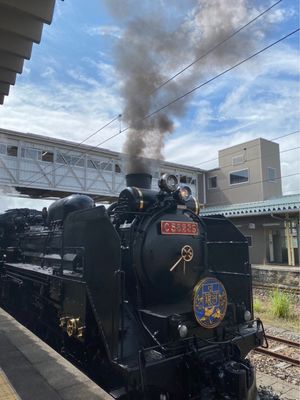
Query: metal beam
7,76
24,25
14,44
4,88
21,24
11,62
41,9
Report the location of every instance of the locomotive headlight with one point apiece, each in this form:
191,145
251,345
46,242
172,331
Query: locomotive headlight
247,315
185,193
168,182
183,331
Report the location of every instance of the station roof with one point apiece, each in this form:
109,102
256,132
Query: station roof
280,205
21,25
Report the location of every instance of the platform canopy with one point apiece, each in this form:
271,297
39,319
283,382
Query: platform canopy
289,204
21,25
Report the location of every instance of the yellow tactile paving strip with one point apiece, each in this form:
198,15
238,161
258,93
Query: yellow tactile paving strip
7,392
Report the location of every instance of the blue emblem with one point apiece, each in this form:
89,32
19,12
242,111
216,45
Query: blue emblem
210,302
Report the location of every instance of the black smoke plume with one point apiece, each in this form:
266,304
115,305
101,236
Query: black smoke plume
159,38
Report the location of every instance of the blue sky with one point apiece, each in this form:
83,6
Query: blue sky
70,87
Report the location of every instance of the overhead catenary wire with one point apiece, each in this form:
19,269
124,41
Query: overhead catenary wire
189,65
151,114
247,148
247,184
271,154
211,49
187,93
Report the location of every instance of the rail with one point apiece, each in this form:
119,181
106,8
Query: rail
279,356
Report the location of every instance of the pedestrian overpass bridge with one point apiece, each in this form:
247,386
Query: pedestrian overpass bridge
43,167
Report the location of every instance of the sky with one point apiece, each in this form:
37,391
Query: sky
73,84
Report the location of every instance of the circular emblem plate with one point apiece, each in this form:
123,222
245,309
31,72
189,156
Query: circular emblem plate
210,302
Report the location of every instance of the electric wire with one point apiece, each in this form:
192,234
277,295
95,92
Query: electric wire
256,158
185,94
151,114
215,47
221,73
247,184
191,64
247,148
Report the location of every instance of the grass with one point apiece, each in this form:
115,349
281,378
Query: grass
280,304
257,305
278,309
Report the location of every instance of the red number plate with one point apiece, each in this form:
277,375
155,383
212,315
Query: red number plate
179,228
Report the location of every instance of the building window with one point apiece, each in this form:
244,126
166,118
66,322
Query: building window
77,161
65,158
12,151
187,179
271,173
106,166
237,177
2,148
117,169
93,164
238,159
212,182
30,153
47,156
249,240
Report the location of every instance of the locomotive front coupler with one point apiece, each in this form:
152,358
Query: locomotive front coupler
249,336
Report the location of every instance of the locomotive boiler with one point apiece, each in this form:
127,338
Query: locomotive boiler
152,300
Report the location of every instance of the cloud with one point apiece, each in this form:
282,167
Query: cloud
71,111
26,70
104,30
280,15
48,72
79,76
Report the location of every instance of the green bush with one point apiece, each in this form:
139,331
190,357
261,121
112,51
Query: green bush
257,305
281,304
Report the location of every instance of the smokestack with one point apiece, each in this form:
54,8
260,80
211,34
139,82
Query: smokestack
141,180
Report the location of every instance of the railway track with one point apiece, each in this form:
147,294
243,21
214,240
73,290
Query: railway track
289,289
280,356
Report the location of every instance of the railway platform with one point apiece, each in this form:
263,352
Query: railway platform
285,390
31,370
281,276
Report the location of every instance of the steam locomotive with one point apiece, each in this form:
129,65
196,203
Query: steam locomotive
151,299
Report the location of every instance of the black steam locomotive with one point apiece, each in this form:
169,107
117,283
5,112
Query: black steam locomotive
152,300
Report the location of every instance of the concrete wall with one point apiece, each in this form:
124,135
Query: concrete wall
270,159
284,277
262,230
253,227
254,156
